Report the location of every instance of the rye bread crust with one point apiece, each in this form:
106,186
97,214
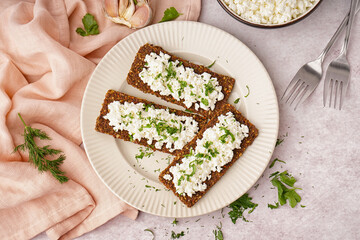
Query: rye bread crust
215,176
133,78
102,125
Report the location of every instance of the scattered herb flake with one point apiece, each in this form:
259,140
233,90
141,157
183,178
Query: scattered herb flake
271,206
90,25
177,235
237,101
248,91
302,206
218,233
276,160
150,231
175,222
278,142
239,206
170,14
212,64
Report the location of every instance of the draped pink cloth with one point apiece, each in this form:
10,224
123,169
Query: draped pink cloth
44,69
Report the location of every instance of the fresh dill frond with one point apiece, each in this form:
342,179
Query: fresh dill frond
37,155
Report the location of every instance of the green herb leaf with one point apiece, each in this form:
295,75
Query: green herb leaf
239,206
248,91
150,231
90,25
81,32
175,222
218,233
278,142
205,101
170,14
276,160
177,235
285,193
37,155
212,64
237,101
273,206
287,179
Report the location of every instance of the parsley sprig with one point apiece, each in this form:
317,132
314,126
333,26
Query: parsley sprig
170,14
284,182
218,233
90,25
37,155
239,206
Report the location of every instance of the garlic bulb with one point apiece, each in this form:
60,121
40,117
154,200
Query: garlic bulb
132,13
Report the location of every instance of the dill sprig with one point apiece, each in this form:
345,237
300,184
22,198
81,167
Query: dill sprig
37,155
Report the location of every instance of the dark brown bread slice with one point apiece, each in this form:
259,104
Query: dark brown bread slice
215,176
133,78
102,125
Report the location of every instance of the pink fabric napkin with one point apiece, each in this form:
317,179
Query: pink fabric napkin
44,69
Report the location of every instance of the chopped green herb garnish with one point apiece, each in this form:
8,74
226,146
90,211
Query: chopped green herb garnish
218,233
239,206
276,160
274,174
169,87
237,101
205,101
302,206
209,88
170,14
177,235
90,25
212,64
189,111
285,193
271,206
208,144
150,231
175,222
147,152
227,133
248,91
278,142
131,137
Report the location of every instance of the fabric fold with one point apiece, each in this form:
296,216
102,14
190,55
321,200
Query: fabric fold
44,68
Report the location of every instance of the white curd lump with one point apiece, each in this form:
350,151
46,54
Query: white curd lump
182,83
213,151
145,121
270,11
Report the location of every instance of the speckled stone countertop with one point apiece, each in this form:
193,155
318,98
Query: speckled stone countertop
321,146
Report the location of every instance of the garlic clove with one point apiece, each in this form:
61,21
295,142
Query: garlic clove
123,4
129,12
111,7
141,17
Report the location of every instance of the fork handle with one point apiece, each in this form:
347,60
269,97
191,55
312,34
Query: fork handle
350,22
336,35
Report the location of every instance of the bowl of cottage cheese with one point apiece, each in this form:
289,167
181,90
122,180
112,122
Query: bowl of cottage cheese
269,13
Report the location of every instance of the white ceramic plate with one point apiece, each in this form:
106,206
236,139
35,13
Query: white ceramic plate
136,182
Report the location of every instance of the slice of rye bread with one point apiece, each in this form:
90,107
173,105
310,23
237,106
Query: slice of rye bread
102,125
215,176
134,79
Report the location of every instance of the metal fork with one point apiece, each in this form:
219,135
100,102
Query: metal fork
338,73
309,76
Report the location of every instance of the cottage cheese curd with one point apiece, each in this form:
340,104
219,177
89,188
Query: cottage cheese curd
213,151
270,11
182,83
145,121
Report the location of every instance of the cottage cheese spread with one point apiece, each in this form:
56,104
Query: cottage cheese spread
182,83
270,11
144,121
213,151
